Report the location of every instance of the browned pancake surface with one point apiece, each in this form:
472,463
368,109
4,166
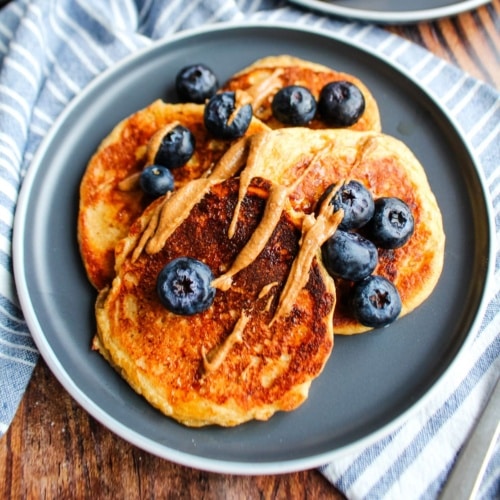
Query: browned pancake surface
265,77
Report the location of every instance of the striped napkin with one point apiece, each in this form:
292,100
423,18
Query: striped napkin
49,51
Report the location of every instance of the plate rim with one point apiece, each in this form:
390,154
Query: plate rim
391,16
134,437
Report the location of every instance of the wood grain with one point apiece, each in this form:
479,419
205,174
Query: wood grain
54,449
470,41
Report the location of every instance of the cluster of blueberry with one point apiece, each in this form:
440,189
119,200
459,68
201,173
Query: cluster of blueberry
340,104
351,255
196,84
175,150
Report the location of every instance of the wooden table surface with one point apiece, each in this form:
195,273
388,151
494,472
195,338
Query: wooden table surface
54,449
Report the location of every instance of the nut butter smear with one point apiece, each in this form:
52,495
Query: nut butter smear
215,357
175,208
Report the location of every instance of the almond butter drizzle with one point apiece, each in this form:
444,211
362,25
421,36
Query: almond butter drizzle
266,289
260,92
314,233
278,196
250,171
130,183
175,208
155,141
215,357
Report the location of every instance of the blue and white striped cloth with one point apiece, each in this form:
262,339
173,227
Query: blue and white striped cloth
49,51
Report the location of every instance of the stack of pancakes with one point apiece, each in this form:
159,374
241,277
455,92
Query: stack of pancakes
250,209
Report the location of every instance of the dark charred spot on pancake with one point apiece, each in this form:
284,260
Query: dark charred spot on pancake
316,287
388,261
209,222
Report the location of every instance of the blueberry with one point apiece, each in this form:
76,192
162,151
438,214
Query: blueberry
375,302
156,180
349,256
294,105
183,286
196,83
176,148
392,223
341,103
356,201
224,119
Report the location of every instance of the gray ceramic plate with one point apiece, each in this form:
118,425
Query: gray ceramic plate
371,382
391,11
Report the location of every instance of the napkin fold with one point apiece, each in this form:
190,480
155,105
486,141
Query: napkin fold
51,49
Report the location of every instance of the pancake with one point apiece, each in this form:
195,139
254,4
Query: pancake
263,78
109,199
248,355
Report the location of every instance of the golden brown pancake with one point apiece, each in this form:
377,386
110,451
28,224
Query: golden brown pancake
263,78
238,360
258,223
107,206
